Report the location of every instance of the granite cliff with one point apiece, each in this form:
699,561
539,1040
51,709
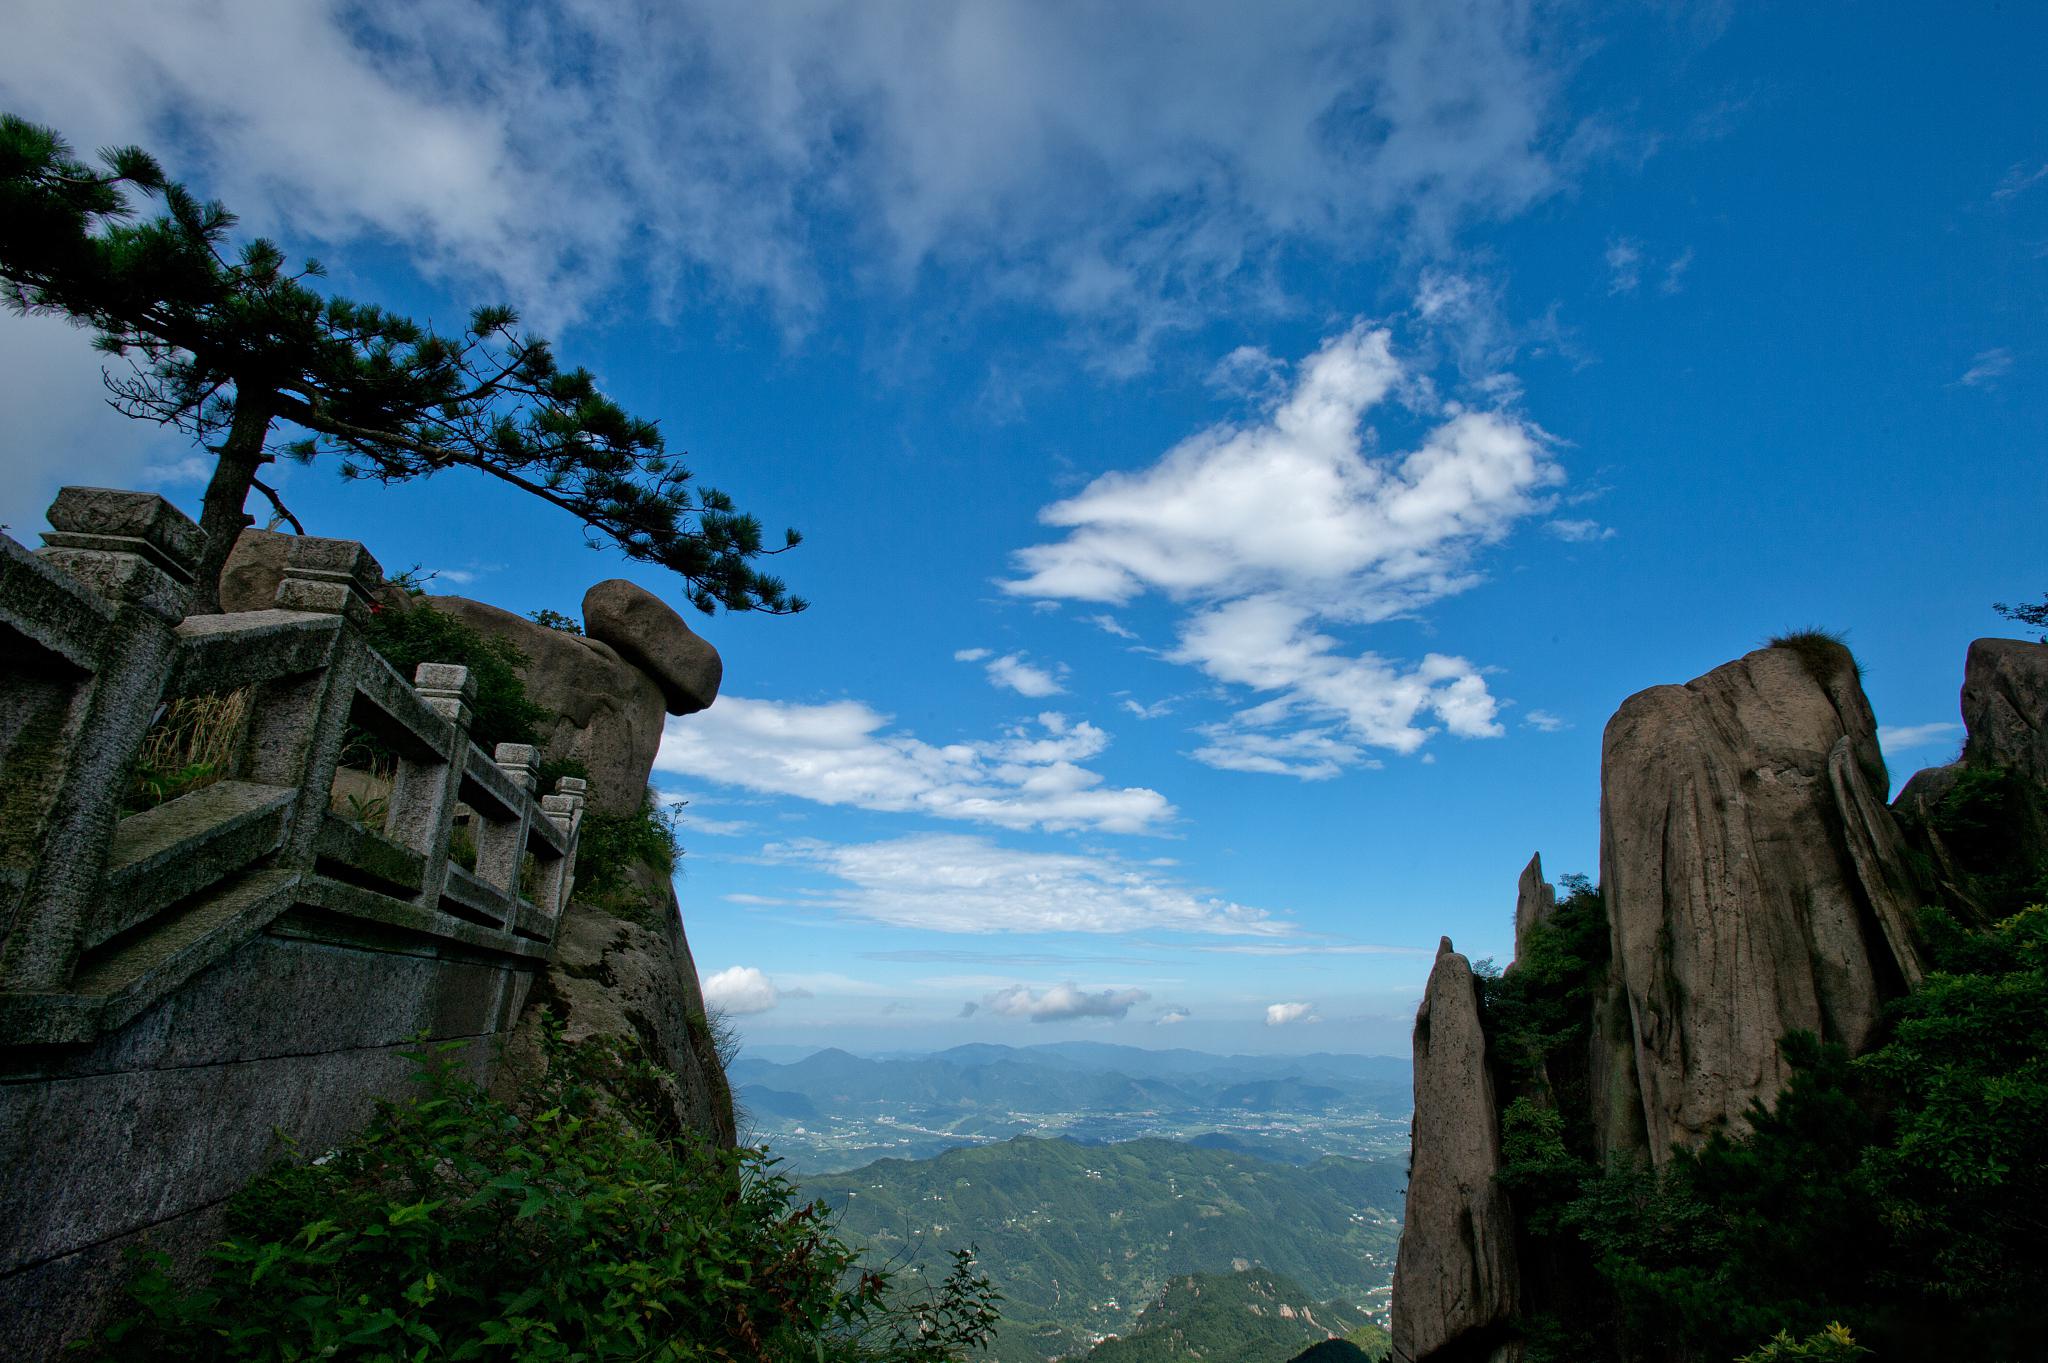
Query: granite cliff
1754,883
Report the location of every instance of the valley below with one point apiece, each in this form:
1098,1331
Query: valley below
1094,1182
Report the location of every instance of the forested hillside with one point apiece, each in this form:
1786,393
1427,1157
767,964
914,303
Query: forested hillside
1249,1317
1080,1238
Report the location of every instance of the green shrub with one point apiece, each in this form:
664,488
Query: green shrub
569,1227
501,712
611,845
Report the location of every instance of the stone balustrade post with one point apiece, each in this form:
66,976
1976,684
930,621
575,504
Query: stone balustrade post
137,553
558,877
424,792
297,724
501,846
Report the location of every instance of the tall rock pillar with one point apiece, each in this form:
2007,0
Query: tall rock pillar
1456,1285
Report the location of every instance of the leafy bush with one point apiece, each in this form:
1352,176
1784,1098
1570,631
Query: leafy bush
501,712
1833,1345
1905,1190
610,846
552,619
569,1227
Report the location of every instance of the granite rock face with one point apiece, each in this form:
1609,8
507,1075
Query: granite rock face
1456,1283
654,638
1535,900
636,982
2005,719
1755,885
608,713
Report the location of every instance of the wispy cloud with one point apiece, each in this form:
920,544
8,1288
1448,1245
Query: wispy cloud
1011,672
1624,265
1674,273
841,753
1063,1003
2019,180
1987,368
1127,167
1544,722
1580,531
1903,737
965,884
1369,535
1171,1016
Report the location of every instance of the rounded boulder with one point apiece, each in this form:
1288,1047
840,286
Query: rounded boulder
651,636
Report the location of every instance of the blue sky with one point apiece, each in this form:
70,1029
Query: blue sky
1244,453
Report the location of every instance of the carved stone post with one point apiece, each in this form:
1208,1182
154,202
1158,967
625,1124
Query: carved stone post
558,877
501,846
424,792
136,552
297,724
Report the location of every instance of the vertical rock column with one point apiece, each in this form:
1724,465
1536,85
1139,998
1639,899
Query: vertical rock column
1456,1285
1754,884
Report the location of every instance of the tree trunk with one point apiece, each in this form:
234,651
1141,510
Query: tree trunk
221,516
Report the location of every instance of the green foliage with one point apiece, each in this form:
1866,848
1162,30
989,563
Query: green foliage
1539,1009
1832,1345
501,712
552,619
1823,652
573,1227
611,845
225,344
1235,1316
1065,1228
2034,615
1975,819
1906,1190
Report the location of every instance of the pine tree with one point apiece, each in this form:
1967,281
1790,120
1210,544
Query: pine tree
231,345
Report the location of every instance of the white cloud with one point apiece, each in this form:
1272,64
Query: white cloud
2019,180
1013,672
1367,536
1109,624
1281,1014
1674,273
1157,709
1902,737
1545,722
1127,164
970,655
1987,368
1171,1016
948,882
1624,265
740,990
1063,1003
838,754
1580,531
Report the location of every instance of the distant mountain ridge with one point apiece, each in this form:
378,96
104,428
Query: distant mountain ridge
1253,1316
1084,1076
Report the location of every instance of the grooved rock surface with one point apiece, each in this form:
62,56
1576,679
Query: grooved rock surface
646,632
1456,1284
638,984
2005,706
1755,884
608,712
1535,900
2005,717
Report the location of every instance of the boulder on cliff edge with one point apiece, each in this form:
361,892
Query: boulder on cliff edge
647,633
1755,884
607,714
1456,1285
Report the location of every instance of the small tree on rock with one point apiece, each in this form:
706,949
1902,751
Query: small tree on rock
231,345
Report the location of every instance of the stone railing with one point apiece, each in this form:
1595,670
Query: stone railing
106,914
